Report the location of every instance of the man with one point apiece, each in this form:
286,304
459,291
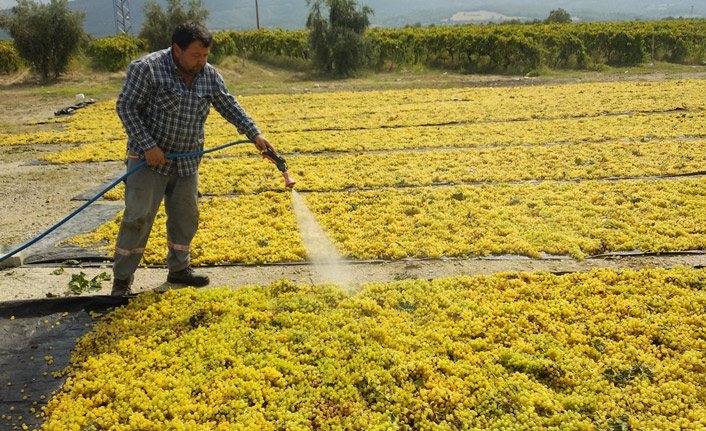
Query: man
163,106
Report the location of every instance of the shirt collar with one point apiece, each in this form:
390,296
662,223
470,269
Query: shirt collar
170,61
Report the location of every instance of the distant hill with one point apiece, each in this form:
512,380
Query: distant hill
292,14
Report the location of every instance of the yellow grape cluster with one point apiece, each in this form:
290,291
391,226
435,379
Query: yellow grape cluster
503,219
289,113
96,123
294,115
247,229
576,219
419,168
502,164
498,133
504,133
592,351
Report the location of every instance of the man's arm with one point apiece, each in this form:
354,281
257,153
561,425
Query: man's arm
133,98
230,109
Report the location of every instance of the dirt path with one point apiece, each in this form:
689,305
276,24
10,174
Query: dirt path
35,196
40,281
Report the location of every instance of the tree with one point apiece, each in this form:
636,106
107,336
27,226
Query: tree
336,44
45,35
558,16
157,28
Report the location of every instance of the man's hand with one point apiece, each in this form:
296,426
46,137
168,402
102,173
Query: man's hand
262,144
155,157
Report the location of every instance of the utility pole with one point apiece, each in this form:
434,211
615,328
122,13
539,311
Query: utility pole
121,8
257,15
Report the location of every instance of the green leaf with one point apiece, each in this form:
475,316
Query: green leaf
103,276
80,284
623,377
621,423
599,345
406,306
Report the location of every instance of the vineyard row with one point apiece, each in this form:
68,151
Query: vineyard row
511,48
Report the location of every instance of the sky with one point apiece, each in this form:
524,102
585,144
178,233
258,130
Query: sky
7,4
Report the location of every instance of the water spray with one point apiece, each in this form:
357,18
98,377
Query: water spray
322,252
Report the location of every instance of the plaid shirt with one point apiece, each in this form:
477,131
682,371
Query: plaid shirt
159,110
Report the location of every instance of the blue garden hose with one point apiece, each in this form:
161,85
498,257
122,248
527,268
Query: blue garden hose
113,184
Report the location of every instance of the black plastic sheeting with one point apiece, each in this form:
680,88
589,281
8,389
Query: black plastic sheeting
51,248
69,110
37,337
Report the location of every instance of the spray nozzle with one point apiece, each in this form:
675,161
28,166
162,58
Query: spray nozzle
281,165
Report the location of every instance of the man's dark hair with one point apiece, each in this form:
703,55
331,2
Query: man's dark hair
190,31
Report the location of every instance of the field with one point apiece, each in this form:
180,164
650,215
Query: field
580,170
578,173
